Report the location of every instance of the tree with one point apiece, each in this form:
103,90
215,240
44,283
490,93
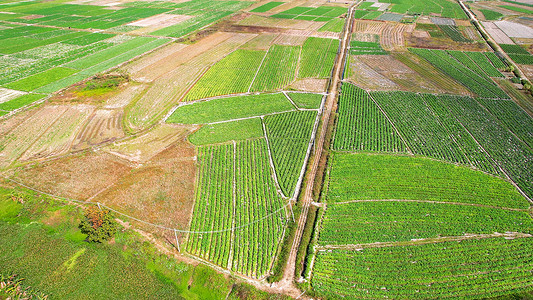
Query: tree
99,225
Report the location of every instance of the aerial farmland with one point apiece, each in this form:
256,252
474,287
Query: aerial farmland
300,149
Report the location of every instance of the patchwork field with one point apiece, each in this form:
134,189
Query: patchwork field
268,150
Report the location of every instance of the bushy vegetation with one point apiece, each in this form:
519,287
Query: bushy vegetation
98,225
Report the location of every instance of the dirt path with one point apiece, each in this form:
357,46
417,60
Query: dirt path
287,282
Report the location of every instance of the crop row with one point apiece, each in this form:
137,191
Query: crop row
475,82
289,136
381,177
278,68
361,126
513,117
453,32
232,75
505,149
369,48
389,221
236,194
467,269
318,57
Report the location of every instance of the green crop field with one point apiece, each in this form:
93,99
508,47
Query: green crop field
229,131
474,81
382,177
267,7
517,9
490,14
445,8
322,13
389,221
289,135
518,54
428,271
318,57
335,25
230,108
265,150
361,126
278,69
421,216
232,75
236,178
306,100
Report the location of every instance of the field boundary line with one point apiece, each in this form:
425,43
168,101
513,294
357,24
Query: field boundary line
271,161
390,121
258,68
428,201
247,118
415,242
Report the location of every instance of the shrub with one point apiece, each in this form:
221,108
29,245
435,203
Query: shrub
98,224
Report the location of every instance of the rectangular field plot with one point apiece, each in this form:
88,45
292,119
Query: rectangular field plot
318,57
238,215
443,8
277,70
368,48
229,131
232,75
362,126
224,109
382,177
335,25
492,267
38,80
267,7
306,100
518,54
20,101
390,221
322,13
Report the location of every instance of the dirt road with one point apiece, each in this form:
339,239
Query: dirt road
287,282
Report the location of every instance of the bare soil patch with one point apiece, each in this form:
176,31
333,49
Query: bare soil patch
144,147
103,126
161,191
399,73
310,85
78,177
